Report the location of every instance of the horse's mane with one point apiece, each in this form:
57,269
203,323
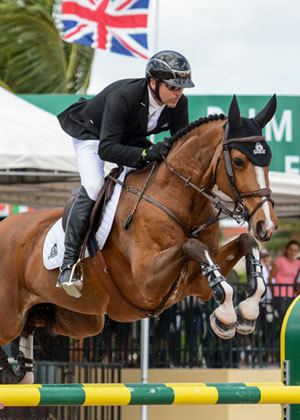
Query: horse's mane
194,124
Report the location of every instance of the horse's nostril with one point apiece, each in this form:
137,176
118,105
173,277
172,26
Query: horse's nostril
261,228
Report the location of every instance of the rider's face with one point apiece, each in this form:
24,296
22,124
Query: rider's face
168,95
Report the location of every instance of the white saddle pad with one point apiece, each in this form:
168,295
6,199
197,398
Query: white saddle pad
54,248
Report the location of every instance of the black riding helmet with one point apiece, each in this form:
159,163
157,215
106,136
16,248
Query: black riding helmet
170,67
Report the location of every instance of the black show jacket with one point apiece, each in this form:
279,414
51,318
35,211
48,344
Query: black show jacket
118,117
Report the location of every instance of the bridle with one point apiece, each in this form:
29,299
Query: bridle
220,206
265,193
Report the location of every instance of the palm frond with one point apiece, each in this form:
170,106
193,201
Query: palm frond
79,66
33,57
33,50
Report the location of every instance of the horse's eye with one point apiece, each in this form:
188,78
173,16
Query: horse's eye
238,162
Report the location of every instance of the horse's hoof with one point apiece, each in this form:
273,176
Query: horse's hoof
73,288
244,326
222,330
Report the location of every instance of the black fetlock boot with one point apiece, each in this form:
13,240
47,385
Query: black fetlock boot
77,225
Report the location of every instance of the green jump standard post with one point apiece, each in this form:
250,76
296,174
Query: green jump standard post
290,355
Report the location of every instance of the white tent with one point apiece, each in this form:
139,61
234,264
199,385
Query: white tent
286,193
31,138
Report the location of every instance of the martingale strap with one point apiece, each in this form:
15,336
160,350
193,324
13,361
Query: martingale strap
156,203
132,213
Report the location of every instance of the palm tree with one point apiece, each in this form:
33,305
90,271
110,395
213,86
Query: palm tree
33,57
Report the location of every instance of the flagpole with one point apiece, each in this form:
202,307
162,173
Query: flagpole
145,322
153,26
155,43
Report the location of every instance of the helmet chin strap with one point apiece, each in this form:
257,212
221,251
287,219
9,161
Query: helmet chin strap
156,90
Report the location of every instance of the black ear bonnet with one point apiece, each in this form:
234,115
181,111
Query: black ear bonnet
258,152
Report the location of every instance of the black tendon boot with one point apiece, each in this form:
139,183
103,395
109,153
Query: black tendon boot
77,225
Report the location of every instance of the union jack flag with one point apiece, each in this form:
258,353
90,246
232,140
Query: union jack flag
119,26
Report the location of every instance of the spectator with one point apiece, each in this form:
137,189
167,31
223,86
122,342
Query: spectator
266,269
268,299
284,271
297,281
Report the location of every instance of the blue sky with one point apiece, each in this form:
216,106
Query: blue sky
234,46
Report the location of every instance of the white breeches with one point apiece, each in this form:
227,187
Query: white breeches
90,166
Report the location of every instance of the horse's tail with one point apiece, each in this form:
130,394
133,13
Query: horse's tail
41,315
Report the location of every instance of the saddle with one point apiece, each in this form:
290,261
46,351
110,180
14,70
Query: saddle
104,196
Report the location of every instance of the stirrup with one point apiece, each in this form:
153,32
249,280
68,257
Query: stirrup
74,286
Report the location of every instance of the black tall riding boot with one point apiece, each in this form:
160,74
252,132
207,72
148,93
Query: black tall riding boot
77,225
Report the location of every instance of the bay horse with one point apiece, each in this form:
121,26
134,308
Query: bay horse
169,251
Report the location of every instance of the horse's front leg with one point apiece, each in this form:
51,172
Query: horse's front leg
227,256
248,310
223,319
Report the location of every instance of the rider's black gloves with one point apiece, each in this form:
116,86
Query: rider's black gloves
156,153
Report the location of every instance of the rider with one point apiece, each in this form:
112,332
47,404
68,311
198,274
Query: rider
121,117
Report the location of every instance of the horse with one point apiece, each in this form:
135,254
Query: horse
169,250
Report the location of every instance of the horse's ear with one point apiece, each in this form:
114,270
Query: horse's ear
264,116
234,116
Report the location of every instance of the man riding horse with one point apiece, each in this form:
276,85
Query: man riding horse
171,250
113,127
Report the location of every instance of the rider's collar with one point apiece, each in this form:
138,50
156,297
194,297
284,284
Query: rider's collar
153,104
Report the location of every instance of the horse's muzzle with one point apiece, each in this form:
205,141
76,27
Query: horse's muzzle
262,233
